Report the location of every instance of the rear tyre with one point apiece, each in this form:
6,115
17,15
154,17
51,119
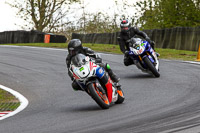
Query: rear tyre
120,96
151,67
100,98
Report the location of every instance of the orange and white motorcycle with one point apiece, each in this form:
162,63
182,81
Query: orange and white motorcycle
95,81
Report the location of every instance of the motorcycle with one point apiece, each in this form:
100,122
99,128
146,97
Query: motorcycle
144,56
94,80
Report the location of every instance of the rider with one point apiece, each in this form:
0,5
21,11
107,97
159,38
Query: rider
75,47
127,32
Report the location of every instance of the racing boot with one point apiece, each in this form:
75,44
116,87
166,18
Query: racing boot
127,60
112,75
152,45
115,79
157,54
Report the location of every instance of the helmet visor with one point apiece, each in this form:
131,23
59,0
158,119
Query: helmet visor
125,25
72,51
124,28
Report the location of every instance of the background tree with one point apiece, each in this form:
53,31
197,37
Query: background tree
43,15
168,13
101,21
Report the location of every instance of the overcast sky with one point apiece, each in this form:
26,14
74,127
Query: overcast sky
7,16
9,20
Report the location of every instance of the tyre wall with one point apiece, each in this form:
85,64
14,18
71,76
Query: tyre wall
180,38
9,37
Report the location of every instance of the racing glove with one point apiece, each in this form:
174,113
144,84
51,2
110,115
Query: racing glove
126,53
148,39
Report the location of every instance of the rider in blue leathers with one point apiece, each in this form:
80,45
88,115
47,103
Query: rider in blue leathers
127,32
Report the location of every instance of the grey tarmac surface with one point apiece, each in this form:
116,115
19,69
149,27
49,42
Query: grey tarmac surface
170,103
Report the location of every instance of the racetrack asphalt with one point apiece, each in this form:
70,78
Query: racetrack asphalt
170,103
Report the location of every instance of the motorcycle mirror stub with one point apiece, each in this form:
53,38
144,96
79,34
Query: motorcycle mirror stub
87,59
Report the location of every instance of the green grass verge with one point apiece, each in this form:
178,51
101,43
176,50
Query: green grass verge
8,102
171,54
164,53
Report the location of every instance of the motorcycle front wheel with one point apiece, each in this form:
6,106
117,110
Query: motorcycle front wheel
99,96
151,67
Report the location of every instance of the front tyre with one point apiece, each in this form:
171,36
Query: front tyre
100,97
151,67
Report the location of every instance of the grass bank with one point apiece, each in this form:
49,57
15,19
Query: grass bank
171,54
7,101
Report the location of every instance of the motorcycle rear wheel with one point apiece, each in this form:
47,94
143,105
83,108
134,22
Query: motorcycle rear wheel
100,98
120,97
151,67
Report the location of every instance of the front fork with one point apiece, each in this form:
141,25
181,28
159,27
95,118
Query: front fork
140,58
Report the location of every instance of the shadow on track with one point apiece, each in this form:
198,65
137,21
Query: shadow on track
136,76
85,108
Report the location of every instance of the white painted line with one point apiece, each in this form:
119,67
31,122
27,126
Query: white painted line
21,98
1,115
192,62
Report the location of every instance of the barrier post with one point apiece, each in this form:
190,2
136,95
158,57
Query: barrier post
198,54
47,38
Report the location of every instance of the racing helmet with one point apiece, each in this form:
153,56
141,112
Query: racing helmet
125,26
75,47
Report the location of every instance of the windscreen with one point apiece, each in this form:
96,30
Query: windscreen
78,60
135,42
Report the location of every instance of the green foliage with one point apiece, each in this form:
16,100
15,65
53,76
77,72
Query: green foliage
97,23
169,13
100,21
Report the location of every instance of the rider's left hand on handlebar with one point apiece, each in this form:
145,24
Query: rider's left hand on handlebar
126,52
98,60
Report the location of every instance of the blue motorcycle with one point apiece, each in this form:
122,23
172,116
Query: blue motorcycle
144,56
